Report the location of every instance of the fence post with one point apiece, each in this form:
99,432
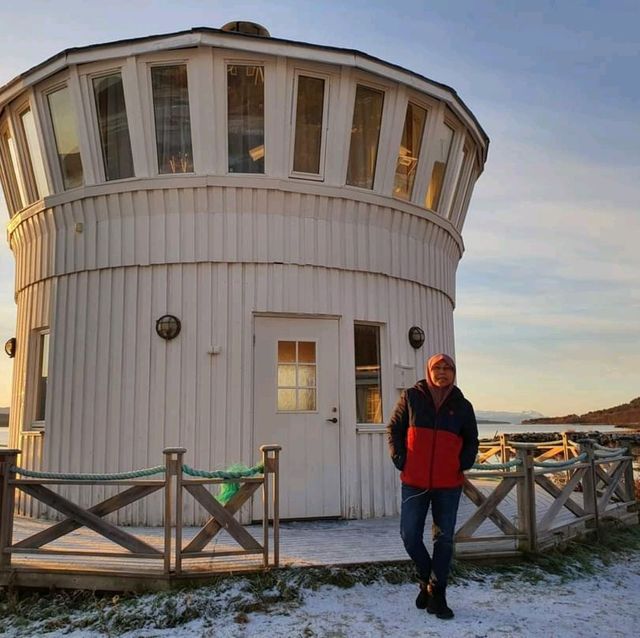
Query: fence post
171,469
503,448
271,466
589,484
527,497
8,459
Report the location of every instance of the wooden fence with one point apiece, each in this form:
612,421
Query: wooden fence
586,483
176,479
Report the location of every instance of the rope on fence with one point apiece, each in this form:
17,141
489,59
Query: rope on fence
224,474
496,466
118,476
562,464
608,453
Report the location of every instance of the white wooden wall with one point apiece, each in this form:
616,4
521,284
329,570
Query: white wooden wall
118,393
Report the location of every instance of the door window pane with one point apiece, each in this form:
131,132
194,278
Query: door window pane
296,387
64,130
409,151
443,148
245,118
368,378
365,134
309,114
113,126
173,121
29,128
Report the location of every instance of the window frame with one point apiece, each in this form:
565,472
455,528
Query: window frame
462,181
11,186
28,159
356,80
384,383
307,72
35,362
51,156
148,107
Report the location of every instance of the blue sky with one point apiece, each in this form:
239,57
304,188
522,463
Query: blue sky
548,300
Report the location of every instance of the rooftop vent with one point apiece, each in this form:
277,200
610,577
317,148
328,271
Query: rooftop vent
248,28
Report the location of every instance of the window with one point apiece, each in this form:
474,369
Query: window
309,124
365,135
368,379
463,176
113,127
16,197
35,157
443,149
172,118
64,131
245,118
296,376
409,152
42,374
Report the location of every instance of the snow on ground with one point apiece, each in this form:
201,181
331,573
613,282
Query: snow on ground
502,605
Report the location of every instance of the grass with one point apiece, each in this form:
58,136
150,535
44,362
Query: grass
279,591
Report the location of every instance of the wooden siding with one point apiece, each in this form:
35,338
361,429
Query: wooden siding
213,256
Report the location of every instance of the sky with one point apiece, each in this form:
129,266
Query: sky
548,292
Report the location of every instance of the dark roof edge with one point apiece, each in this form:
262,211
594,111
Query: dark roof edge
195,30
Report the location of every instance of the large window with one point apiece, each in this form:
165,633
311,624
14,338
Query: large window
173,122
296,376
368,378
113,126
245,118
409,152
35,157
42,375
365,135
463,176
64,131
443,150
309,124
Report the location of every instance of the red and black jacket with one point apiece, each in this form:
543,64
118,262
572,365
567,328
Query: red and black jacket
431,448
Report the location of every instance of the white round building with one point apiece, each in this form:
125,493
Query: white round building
292,211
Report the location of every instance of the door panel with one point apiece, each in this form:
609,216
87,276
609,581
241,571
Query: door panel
295,405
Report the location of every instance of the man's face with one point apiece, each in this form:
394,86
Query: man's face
442,374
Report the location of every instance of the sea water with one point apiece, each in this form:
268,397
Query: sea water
491,430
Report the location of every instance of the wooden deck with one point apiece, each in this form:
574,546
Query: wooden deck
302,543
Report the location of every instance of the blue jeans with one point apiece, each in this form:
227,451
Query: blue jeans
444,509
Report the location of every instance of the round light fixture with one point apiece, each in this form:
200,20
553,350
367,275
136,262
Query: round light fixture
168,327
416,337
10,347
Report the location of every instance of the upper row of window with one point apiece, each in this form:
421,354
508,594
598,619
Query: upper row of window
245,135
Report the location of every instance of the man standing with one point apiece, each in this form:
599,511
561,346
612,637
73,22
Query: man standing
433,438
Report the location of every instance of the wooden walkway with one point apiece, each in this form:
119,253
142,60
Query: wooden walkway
302,543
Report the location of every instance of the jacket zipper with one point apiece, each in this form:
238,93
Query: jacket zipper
433,449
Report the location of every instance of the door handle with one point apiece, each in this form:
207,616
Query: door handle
334,420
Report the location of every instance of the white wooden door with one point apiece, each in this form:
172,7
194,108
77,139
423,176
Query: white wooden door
296,406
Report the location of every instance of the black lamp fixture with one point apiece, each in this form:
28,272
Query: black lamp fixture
10,347
416,337
168,327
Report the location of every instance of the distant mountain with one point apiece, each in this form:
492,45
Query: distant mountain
496,416
624,414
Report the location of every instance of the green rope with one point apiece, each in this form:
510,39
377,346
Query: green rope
562,464
230,474
496,466
608,453
150,471
227,491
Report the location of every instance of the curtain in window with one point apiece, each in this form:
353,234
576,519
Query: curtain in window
365,135
172,119
113,126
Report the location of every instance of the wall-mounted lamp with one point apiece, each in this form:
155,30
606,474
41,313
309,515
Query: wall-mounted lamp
168,327
416,337
10,347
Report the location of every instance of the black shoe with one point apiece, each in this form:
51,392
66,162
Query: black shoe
422,601
437,603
